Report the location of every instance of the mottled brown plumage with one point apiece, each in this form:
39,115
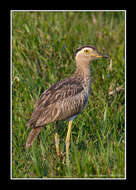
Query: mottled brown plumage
54,103
65,99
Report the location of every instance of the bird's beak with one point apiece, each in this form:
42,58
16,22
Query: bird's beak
99,55
105,56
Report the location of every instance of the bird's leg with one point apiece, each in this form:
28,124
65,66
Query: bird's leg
57,143
57,139
68,142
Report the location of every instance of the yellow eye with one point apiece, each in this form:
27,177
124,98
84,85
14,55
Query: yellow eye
86,51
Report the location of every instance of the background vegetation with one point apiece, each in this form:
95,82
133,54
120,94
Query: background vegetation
43,45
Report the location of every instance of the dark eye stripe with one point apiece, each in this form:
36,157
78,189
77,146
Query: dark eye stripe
80,48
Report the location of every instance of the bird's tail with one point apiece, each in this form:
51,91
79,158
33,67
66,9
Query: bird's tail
33,134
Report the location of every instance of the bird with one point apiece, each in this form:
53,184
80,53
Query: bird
65,99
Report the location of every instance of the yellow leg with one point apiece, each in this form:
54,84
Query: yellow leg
57,143
68,142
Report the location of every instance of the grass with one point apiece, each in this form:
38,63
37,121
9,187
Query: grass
43,45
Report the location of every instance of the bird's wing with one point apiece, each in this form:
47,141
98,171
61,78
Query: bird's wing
48,108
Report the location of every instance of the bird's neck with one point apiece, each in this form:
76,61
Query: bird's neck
83,75
83,69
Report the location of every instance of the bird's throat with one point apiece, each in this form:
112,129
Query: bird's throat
83,68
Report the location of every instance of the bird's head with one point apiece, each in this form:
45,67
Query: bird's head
88,53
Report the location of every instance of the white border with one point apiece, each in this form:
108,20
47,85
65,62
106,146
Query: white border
11,95
68,10
125,96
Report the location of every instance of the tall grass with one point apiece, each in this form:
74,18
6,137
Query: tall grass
43,45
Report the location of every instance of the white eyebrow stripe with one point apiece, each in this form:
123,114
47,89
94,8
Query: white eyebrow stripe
86,49
90,49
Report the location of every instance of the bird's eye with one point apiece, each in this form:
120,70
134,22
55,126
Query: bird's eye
86,51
